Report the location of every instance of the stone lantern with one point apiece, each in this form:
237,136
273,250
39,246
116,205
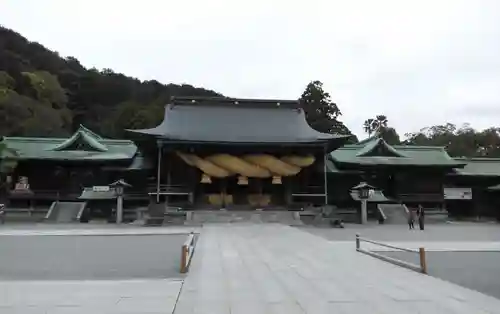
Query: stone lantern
119,187
365,191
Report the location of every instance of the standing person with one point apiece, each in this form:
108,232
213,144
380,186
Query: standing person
421,217
411,219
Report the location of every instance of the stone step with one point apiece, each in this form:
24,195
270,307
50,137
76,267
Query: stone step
197,217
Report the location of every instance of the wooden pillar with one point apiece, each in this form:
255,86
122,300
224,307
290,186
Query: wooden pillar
288,190
223,193
194,186
169,180
158,174
325,177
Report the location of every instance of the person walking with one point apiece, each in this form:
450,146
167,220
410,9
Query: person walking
421,217
411,219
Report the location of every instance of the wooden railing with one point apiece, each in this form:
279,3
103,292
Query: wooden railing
169,189
420,197
43,194
187,253
422,267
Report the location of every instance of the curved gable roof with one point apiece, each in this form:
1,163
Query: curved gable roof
95,148
238,121
379,148
376,152
88,139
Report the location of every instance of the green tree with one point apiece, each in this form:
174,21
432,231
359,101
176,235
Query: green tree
24,116
132,115
461,141
47,88
6,81
379,124
373,124
369,126
321,112
390,136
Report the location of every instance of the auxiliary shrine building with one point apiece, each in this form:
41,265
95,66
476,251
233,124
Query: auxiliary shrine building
213,153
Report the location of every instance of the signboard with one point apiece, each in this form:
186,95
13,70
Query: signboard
100,188
457,193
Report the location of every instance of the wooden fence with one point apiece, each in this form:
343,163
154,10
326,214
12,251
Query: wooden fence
421,267
187,252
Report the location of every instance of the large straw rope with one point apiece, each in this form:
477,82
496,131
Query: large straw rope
204,165
238,165
254,165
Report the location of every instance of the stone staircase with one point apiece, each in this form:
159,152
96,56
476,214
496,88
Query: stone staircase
65,212
198,217
394,213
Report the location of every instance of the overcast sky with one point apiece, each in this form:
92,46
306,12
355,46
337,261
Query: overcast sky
419,62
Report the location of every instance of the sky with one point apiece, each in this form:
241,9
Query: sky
420,63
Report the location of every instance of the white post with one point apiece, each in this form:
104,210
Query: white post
158,174
119,208
364,212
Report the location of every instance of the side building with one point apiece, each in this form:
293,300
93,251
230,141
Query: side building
414,175
474,190
57,169
410,175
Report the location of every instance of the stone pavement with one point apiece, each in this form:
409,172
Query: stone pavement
272,268
252,268
89,297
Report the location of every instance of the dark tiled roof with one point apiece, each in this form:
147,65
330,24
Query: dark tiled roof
239,122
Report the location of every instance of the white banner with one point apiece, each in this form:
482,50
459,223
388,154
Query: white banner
104,188
457,193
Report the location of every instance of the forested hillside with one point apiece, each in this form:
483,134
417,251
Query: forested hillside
44,94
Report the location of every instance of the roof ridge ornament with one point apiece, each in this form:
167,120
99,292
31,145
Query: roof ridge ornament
90,132
377,134
380,148
81,139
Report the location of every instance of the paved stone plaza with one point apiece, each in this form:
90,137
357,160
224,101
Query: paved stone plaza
90,257
280,269
443,232
478,270
89,297
259,268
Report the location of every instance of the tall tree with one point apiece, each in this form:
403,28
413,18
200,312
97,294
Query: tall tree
131,115
369,126
373,124
461,141
390,135
380,124
321,112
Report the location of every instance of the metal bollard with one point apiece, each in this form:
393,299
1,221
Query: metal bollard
423,262
358,244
